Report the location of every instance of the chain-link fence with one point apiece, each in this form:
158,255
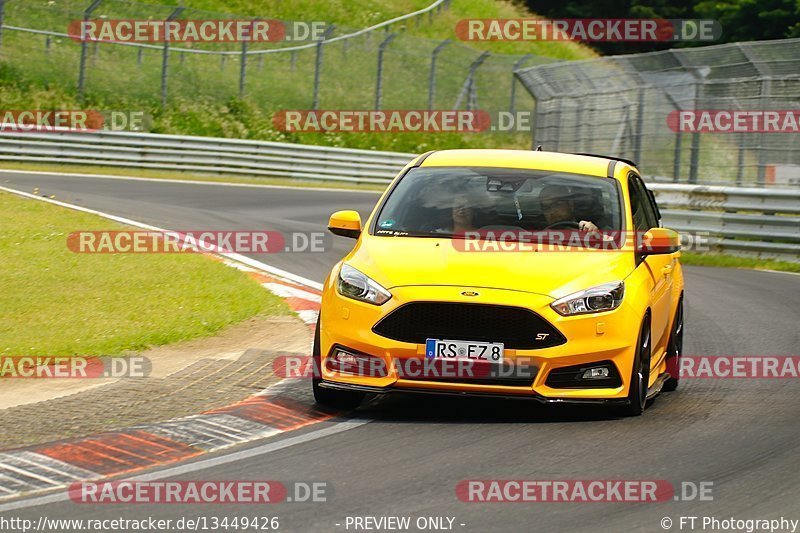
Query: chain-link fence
616,105
383,67
626,105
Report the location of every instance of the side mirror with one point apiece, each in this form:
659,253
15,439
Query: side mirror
658,241
345,223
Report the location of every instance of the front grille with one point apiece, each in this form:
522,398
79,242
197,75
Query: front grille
517,328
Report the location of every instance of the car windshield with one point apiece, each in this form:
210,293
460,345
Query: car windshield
448,201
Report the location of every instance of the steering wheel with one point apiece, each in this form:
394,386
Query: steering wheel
564,223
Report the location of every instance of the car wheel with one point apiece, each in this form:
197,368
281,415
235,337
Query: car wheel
675,350
338,399
640,377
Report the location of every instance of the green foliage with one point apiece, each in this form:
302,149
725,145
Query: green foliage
741,20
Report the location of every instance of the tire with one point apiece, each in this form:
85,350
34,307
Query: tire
675,350
640,375
337,399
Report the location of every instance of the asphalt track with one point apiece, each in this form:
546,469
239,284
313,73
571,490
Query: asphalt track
407,456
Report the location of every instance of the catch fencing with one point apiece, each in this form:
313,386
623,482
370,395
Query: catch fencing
379,66
621,105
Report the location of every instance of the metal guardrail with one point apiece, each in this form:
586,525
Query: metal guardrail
738,220
204,154
746,221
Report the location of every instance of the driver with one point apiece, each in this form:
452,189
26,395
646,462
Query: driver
463,212
558,207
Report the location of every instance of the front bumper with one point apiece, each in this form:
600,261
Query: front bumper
482,393
609,336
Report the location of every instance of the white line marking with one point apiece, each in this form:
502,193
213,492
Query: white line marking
58,468
211,432
309,316
27,473
229,255
204,463
285,291
777,271
235,433
280,387
190,182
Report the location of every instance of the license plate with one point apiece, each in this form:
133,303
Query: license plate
490,352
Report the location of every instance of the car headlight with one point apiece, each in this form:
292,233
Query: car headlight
604,297
356,285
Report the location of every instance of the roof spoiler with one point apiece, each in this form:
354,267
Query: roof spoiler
615,158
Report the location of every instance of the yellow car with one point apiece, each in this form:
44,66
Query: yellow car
512,273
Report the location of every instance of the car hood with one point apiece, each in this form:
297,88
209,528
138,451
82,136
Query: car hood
405,261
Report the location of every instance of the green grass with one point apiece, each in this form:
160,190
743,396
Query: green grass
731,261
56,302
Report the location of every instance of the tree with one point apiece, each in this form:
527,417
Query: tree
741,20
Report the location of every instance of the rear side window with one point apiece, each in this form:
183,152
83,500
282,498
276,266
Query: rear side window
642,209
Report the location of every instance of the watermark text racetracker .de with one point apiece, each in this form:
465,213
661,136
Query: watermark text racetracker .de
581,491
72,120
194,31
740,366
381,121
479,363
734,121
197,241
401,121
588,30
205,492
73,367
508,240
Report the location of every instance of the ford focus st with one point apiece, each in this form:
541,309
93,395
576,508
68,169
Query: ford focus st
511,273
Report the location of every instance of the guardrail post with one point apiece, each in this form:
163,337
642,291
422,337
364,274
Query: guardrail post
740,160
432,76
517,64
85,48
243,66
379,78
699,74
763,99
139,54
2,13
639,133
676,160
469,84
764,91
165,59
318,65
694,159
